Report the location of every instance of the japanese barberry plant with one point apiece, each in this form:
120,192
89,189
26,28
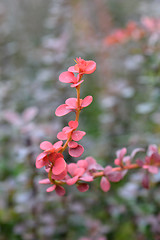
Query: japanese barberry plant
147,29
61,174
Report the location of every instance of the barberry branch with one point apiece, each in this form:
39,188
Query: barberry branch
78,103
85,171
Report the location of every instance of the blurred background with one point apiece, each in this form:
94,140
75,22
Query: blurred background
39,40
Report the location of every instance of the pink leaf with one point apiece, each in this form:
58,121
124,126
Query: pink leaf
57,144
41,156
117,162
62,110
120,153
41,160
67,77
86,178
82,163
72,103
62,136
59,166
87,101
72,181
90,160
52,188
55,156
45,181
93,165
78,135
66,129
91,67
79,171
72,69
61,176
115,176
72,144
46,145
77,84
73,124
105,184
76,152
71,168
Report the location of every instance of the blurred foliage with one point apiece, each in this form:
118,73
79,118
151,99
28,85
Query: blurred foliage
39,40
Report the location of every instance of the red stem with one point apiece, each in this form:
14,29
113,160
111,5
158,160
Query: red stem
77,112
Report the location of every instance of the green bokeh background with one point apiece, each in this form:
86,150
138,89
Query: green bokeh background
39,40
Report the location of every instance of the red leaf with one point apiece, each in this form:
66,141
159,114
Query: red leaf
145,181
82,187
60,190
76,152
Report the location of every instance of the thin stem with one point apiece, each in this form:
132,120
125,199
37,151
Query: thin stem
66,144
117,169
78,98
77,111
50,175
132,166
78,103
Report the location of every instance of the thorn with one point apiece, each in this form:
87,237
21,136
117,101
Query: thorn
75,60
